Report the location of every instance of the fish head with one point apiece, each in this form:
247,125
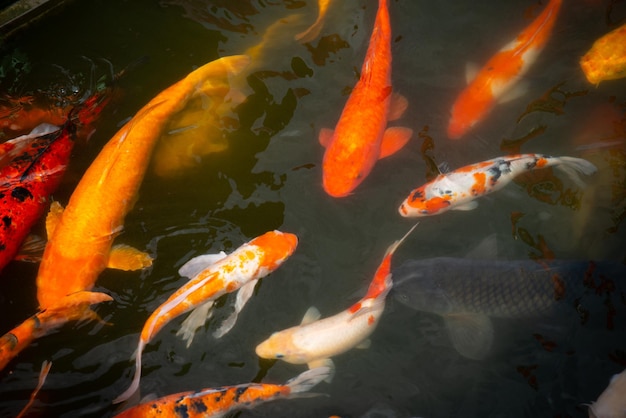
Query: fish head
416,287
418,205
276,247
281,346
346,164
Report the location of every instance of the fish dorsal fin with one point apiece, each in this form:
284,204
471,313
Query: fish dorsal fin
366,343
197,318
471,334
326,136
194,266
312,314
394,139
327,363
471,70
243,296
397,106
125,257
53,218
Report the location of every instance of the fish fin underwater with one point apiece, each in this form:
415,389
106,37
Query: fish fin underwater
471,334
573,167
324,364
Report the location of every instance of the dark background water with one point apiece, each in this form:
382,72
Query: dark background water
270,178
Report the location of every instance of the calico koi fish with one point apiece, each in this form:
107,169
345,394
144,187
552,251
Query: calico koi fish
497,78
361,136
80,238
606,60
212,276
28,181
215,402
315,340
458,189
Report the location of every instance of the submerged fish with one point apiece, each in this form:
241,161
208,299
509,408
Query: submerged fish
612,402
215,402
315,340
314,30
467,293
80,238
497,78
458,189
212,276
606,60
361,136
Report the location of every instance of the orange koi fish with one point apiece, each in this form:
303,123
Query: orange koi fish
212,276
501,73
458,189
606,60
80,238
216,402
315,340
361,136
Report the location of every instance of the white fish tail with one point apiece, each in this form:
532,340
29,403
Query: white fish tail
574,166
136,377
307,380
195,320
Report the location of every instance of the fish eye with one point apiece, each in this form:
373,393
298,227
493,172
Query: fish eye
279,356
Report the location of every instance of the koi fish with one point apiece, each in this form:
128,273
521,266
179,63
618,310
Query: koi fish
458,189
18,116
80,238
467,293
361,136
606,60
496,79
27,183
13,147
315,340
215,402
212,276
612,402
314,30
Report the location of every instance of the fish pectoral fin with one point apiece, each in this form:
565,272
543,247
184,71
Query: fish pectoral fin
471,334
31,249
471,70
397,106
311,315
243,296
517,91
467,206
195,320
125,257
394,139
197,264
325,363
53,218
366,343
326,136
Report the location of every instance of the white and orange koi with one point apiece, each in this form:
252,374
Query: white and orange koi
496,79
361,136
212,276
612,402
458,189
315,340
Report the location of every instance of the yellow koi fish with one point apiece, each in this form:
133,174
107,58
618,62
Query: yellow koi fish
314,30
606,60
215,402
80,238
212,276
315,340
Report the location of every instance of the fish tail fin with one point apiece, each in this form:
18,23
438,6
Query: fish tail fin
134,385
210,77
307,380
45,369
574,166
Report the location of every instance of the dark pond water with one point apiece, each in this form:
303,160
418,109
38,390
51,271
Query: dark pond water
269,177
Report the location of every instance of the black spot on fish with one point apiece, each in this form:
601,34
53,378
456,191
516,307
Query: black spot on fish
11,339
21,194
199,406
416,195
238,392
2,246
181,411
6,220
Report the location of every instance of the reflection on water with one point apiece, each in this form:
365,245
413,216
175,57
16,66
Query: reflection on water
262,171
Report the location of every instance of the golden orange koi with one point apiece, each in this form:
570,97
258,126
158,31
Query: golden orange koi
212,276
361,136
458,189
606,60
497,78
315,340
80,238
215,402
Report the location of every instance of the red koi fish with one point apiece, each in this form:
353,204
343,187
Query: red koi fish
458,189
501,73
212,276
216,402
315,340
80,237
27,183
361,136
